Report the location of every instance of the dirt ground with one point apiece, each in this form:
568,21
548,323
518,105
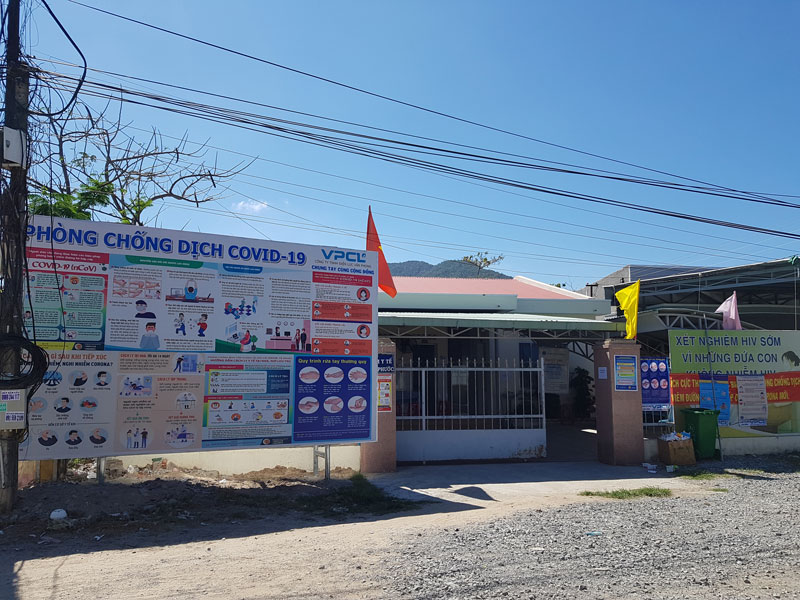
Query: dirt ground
267,535
274,533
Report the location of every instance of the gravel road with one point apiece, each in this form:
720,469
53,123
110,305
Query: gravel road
699,544
743,543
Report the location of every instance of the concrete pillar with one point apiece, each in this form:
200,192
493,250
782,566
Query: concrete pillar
381,456
620,435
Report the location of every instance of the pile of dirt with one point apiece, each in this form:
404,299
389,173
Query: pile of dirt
161,495
282,475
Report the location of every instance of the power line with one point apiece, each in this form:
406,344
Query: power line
365,142
55,60
354,148
395,100
496,209
502,191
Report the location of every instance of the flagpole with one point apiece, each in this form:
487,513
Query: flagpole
713,387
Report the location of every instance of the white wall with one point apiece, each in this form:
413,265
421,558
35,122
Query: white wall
229,462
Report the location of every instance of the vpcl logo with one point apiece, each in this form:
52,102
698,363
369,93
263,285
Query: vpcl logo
350,256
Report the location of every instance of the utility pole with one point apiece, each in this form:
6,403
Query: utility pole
12,238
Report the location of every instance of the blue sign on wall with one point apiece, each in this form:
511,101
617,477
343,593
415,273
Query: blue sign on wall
654,374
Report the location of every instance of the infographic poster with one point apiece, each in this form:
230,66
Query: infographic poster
626,373
752,399
715,395
66,299
655,384
247,401
332,398
172,341
109,286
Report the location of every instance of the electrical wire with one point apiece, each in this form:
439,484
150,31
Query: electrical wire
375,128
253,119
494,189
393,100
77,90
354,148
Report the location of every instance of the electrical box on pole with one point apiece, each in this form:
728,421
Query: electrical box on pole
15,145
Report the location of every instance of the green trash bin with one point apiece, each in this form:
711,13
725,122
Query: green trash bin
702,424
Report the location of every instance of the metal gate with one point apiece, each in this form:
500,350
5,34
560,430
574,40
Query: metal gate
472,409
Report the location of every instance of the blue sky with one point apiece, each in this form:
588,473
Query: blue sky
706,90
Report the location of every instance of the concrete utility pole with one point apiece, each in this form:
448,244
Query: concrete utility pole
12,238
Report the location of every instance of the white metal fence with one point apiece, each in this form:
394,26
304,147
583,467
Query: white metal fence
476,394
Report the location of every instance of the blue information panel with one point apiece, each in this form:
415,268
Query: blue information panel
655,384
716,396
626,378
331,398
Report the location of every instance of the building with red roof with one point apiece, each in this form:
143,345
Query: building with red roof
481,362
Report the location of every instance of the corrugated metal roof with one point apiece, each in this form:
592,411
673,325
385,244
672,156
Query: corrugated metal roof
504,320
519,287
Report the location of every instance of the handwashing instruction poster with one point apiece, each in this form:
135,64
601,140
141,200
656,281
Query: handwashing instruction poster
332,398
165,340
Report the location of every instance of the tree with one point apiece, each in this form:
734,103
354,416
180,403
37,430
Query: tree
93,165
482,260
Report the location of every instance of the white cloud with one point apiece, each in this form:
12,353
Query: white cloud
249,206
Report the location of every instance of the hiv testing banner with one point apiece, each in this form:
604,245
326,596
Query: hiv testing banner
165,340
751,377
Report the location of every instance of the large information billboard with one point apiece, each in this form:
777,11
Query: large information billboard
165,340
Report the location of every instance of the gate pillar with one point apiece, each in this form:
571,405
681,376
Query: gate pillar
381,456
618,394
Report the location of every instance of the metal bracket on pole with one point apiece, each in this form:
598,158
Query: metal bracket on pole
324,454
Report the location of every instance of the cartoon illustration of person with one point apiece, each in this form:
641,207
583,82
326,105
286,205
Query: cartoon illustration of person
73,439
144,438
129,436
97,437
363,294
136,438
180,324
150,339
277,331
297,340
178,365
142,312
46,438
190,291
245,340
102,379
255,303
28,315
303,338
362,331
64,407
202,325
81,379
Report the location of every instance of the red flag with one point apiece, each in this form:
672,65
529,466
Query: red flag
374,243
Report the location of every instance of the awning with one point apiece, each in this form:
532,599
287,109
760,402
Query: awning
500,320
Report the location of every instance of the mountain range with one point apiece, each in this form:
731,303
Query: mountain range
448,268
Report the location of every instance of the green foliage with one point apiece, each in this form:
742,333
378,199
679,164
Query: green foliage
90,196
581,383
132,212
644,492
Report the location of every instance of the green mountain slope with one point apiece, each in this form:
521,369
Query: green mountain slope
448,268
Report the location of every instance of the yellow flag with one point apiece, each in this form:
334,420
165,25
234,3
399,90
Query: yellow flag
629,303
